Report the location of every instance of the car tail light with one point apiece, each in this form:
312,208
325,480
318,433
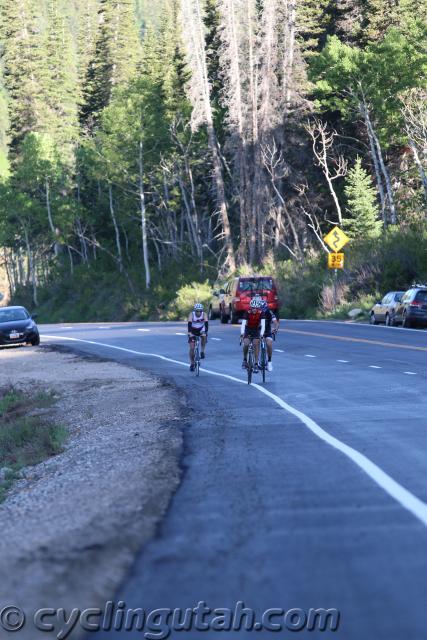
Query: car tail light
276,297
416,303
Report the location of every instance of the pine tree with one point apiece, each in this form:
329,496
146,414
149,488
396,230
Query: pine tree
313,18
362,205
25,68
4,126
63,87
87,31
379,16
116,58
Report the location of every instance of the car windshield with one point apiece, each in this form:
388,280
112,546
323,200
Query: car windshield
422,296
11,315
256,284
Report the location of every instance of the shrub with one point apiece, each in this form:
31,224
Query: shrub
188,295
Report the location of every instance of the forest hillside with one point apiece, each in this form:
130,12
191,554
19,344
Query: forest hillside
151,149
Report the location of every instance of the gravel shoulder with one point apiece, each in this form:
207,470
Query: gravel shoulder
72,526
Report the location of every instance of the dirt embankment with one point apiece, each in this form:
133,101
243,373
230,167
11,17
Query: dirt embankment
72,526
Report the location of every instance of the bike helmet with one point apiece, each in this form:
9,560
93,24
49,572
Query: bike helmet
255,303
198,307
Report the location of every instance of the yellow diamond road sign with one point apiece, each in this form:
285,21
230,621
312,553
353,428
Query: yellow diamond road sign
336,239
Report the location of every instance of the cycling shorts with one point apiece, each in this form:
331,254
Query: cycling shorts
252,333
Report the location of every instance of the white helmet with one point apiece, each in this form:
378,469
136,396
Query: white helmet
198,307
255,303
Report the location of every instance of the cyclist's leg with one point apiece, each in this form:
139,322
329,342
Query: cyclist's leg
192,343
269,343
245,349
203,345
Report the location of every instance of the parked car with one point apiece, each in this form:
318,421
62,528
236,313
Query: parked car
239,292
385,310
218,294
412,309
17,326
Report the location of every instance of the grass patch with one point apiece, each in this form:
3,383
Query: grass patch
26,439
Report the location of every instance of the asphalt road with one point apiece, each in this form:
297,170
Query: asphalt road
313,495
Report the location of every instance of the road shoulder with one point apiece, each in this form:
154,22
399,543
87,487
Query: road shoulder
72,526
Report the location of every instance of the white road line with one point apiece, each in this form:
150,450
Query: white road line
217,339
395,490
180,334
104,327
374,366
279,350
307,355
410,373
143,329
345,361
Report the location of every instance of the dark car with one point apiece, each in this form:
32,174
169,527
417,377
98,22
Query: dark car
239,293
17,327
385,310
412,310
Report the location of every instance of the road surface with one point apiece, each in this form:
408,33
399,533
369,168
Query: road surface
313,495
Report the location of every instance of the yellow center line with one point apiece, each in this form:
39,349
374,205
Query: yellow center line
362,340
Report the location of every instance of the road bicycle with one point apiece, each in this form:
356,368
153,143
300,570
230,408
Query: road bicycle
250,359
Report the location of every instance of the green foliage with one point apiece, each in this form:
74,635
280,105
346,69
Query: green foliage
189,294
344,76
26,439
361,205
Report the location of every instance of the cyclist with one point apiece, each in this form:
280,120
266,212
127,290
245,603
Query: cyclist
198,325
271,328
253,327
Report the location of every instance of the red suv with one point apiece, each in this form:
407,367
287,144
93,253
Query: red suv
240,291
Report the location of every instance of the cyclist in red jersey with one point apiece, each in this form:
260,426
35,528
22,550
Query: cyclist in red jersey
253,326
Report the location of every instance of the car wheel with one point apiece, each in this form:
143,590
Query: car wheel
210,314
406,322
224,317
372,319
389,320
36,341
234,317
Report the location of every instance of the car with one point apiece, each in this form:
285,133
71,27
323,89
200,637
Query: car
239,292
412,309
218,293
385,310
17,326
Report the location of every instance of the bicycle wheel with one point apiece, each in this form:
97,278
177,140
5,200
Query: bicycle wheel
263,360
197,358
250,365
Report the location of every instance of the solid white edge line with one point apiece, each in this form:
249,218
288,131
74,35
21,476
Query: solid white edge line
307,355
395,490
410,373
279,350
374,366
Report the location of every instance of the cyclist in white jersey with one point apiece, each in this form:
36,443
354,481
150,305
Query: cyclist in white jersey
198,325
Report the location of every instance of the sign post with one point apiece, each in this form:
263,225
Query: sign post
336,239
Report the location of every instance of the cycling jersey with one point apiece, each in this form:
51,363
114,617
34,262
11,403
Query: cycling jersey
269,318
197,325
253,324
253,319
